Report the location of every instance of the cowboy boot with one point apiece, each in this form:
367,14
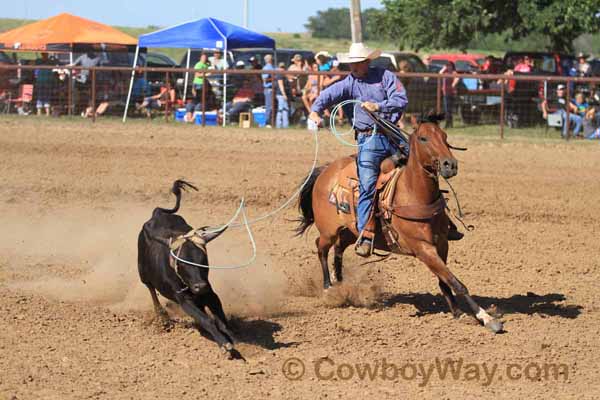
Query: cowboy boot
453,233
364,244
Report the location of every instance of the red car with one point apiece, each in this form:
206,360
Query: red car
463,62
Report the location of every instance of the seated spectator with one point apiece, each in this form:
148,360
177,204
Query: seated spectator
311,90
524,65
110,93
283,94
165,95
242,100
558,106
580,103
195,104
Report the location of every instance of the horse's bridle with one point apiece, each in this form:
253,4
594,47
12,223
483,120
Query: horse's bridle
435,165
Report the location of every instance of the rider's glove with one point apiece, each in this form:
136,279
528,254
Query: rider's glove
367,105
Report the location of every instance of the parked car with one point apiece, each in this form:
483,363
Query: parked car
464,62
544,63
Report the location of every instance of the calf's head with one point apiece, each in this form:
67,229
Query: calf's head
194,277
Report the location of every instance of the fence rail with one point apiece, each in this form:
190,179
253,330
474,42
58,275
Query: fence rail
515,101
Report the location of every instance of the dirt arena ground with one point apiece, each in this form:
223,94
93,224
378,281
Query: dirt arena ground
77,324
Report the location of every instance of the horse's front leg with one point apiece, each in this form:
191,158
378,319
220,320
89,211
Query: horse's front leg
429,255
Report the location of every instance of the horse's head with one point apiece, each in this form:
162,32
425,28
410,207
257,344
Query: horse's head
429,146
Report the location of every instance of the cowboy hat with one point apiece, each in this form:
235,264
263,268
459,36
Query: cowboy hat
323,53
582,55
358,52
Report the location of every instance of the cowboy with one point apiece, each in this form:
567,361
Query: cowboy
379,91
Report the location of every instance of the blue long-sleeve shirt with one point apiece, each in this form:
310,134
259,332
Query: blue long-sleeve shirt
379,86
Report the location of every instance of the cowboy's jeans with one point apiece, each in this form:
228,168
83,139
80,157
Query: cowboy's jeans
268,105
372,151
574,119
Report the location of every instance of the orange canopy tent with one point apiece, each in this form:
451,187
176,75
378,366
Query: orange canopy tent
63,32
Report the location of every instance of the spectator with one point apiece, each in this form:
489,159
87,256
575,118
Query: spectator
558,106
89,59
109,93
323,60
329,80
254,64
195,104
311,90
449,91
217,62
524,65
584,68
580,103
242,100
201,65
268,88
140,88
165,95
44,79
283,93
297,82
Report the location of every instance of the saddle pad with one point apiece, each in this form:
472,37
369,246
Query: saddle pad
341,198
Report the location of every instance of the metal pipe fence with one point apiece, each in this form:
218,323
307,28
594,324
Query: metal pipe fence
557,105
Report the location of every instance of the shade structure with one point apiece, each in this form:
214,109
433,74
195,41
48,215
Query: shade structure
63,29
205,33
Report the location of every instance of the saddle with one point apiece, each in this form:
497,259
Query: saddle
344,194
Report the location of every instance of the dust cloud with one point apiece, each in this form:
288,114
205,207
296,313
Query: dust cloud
92,256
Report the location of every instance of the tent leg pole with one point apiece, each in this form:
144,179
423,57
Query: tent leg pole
187,73
137,51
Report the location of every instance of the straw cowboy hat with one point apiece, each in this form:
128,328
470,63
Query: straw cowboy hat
582,55
358,52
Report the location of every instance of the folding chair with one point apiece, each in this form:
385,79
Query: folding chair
25,96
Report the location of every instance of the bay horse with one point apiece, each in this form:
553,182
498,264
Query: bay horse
418,222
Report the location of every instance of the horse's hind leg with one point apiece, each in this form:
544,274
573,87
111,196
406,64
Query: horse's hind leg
323,245
345,239
430,257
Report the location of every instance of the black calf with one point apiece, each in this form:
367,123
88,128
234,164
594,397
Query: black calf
182,283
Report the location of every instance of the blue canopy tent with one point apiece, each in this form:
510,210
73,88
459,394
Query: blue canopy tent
206,33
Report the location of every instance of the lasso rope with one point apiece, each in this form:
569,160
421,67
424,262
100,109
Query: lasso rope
241,209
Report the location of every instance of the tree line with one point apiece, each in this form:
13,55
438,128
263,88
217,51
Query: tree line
462,24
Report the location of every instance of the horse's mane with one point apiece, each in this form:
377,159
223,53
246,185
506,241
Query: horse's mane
431,118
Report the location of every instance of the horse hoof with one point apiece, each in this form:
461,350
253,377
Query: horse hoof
494,326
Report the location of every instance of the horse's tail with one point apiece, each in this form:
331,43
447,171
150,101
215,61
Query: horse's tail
178,186
307,216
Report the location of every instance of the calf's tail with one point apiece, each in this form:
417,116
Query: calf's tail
178,186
